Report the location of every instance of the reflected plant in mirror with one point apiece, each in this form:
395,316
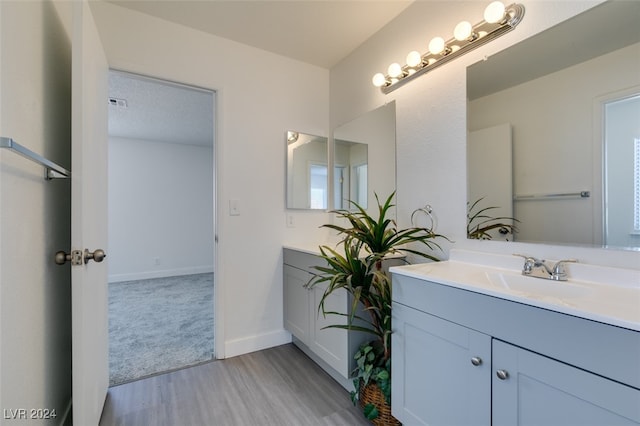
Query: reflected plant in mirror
307,171
482,226
551,124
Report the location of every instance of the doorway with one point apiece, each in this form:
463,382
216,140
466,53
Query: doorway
622,171
161,226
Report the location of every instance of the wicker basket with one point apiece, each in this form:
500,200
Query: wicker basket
371,394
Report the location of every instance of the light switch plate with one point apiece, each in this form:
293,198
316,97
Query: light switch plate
234,208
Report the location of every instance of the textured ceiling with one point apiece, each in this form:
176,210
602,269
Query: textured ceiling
160,111
320,32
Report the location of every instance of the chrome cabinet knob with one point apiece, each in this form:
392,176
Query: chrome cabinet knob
502,374
476,360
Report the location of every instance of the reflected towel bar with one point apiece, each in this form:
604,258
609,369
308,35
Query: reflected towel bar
52,170
581,194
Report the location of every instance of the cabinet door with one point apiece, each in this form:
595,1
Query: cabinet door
296,303
441,371
330,343
536,390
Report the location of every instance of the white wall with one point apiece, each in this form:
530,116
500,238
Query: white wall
431,115
552,155
160,209
35,293
259,96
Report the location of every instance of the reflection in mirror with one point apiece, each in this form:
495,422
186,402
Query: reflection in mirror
350,173
307,177
365,158
546,98
622,172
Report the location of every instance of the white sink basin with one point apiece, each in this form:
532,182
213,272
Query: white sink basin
538,288
605,294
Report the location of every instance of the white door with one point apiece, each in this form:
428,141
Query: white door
89,218
490,173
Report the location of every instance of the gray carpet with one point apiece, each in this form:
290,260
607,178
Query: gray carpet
159,325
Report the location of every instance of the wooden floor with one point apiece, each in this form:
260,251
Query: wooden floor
278,386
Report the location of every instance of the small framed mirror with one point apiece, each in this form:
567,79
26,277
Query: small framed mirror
307,171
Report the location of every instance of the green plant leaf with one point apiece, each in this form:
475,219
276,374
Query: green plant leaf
370,412
383,375
479,223
355,265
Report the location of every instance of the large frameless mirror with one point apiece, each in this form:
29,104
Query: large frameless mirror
364,158
543,147
307,171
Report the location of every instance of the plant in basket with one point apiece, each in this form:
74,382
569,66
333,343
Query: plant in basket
357,266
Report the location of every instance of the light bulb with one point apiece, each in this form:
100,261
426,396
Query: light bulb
414,58
494,12
379,80
395,70
463,31
436,45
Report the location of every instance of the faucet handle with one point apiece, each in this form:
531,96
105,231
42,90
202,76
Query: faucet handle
529,262
524,256
559,273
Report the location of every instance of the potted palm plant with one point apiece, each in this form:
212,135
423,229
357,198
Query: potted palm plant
356,265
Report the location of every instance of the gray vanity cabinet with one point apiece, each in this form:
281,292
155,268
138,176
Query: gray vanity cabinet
331,348
297,318
535,390
462,358
440,371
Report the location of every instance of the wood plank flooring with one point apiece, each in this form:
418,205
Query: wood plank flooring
278,386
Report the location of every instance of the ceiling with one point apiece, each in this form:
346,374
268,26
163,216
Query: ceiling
320,32
160,111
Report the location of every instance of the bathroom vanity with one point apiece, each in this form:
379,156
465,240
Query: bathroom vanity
331,348
477,343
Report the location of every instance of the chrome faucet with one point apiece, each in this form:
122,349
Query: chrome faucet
538,268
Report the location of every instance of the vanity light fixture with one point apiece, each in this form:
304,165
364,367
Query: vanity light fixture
498,20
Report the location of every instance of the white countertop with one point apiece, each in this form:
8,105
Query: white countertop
607,295
314,248
309,248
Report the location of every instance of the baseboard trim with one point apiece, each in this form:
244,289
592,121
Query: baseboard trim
256,343
116,278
